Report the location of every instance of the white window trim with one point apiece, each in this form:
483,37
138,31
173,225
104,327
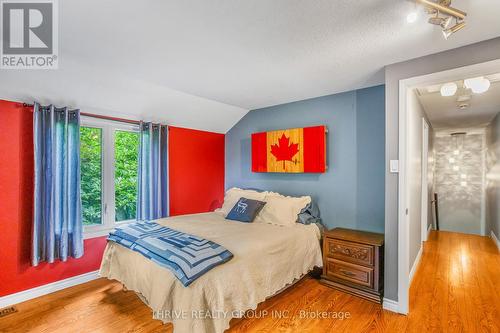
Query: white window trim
108,128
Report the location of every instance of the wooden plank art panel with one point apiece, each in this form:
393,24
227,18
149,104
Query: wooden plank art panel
293,150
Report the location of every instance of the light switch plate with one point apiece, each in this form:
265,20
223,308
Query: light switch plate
394,166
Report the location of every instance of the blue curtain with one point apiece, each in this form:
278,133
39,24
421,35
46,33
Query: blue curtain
57,222
152,198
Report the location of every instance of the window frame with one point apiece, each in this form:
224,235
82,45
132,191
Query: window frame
108,128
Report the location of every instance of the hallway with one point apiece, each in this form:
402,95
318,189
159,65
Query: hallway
457,285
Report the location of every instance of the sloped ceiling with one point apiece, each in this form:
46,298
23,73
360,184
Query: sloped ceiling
204,64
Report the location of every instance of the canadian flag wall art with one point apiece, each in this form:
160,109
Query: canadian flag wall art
293,150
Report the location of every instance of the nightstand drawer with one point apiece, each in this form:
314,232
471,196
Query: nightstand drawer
349,272
351,252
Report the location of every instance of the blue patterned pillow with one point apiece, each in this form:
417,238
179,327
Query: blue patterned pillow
245,210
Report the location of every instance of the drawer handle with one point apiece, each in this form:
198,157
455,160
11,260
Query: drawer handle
348,273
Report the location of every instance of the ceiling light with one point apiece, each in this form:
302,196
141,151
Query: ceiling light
446,22
448,89
442,15
442,6
436,20
442,21
412,17
448,32
478,85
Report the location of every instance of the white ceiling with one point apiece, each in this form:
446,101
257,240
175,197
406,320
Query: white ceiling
444,113
203,64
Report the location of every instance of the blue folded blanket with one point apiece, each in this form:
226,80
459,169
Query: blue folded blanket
185,255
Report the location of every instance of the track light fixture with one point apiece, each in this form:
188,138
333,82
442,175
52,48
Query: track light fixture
448,32
442,14
446,22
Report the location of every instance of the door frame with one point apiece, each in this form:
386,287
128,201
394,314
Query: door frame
405,85
425,180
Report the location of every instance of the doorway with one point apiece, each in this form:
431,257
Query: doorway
410,211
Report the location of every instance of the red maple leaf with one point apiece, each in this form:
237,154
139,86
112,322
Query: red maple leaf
284,150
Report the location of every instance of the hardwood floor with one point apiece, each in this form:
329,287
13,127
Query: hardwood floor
456,289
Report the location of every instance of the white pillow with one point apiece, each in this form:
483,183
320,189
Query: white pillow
234,194
281,210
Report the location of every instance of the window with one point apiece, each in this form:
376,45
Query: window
126,159
109,166
91,174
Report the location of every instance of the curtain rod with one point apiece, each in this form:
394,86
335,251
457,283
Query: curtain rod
122,120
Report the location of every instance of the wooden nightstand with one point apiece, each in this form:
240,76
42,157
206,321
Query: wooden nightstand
353,261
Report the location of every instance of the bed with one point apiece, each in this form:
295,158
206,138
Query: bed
267,258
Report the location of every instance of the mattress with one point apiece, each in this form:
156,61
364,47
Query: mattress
266,259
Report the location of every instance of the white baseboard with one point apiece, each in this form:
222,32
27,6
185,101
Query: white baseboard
26,295
416,263
390,305
495,240
429,229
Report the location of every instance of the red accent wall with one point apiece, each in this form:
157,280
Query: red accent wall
16,202
196,165
196,170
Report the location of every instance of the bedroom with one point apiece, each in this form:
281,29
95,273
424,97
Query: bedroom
167,100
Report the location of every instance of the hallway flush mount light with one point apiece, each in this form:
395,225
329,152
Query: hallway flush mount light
442,15
448,89
478,85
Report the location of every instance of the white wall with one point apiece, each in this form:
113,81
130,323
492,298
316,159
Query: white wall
415,115
459,182
493,177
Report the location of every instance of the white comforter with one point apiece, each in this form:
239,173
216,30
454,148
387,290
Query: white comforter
266,259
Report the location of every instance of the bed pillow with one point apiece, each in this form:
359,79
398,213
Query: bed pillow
234,194
282,210
309,214
245,210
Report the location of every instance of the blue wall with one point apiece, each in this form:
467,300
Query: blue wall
351,193
370,134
